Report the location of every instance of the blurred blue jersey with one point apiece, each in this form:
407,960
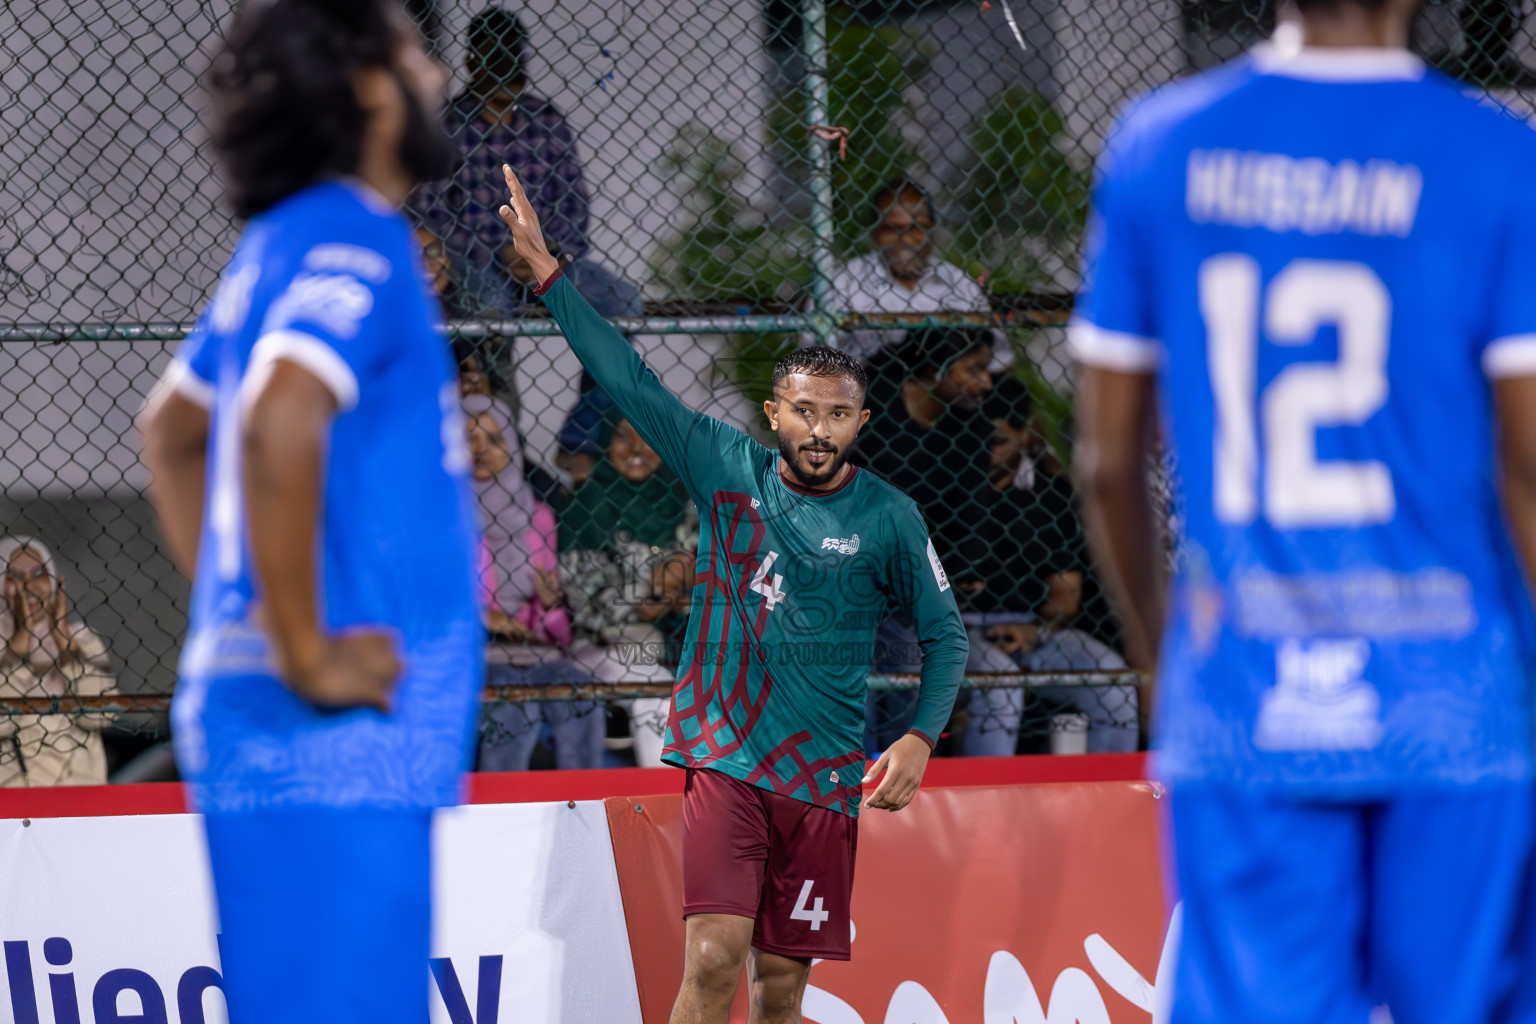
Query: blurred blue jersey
1324,258
330,279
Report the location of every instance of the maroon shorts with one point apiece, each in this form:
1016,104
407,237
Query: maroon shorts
786,863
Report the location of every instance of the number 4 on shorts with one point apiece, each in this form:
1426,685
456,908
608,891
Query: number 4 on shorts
803,910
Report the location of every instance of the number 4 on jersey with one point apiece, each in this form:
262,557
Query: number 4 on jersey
772,595
803,910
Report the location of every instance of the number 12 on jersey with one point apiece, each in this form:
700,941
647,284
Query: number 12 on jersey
1299,490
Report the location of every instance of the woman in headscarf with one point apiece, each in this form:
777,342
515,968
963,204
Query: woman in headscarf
47,653
525,605
629,568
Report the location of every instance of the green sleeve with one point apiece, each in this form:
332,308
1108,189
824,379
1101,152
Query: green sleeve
922,590
684,438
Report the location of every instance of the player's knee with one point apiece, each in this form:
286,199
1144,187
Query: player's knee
714,962
777,992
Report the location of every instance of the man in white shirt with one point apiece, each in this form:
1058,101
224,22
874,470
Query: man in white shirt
900,275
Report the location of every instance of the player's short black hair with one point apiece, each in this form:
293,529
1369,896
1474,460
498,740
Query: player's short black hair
894,191
928,351
821,361
1009,401
284,113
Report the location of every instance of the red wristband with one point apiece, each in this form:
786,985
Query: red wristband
924,737
541,289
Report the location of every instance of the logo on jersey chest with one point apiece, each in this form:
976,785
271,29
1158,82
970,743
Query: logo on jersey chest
842,545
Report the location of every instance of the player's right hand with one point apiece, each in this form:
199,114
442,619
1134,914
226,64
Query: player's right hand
527,236
358,669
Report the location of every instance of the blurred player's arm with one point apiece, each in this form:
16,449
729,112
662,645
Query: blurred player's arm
286,428
679,434
1115,423
923,592
1515,399
174,427
1114,335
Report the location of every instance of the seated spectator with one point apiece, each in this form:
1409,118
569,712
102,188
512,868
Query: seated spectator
1058,646
497,120
525,607
612,296
441,273
629,574
927,436
48,654
1036,568
900,273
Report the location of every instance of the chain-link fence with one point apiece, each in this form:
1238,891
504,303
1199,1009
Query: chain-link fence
726,180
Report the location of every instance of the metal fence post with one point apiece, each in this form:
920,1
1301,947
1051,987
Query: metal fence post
818,83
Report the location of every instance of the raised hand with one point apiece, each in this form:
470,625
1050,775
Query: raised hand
527,236
21,639
58,616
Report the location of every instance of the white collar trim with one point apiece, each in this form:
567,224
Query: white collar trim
368,195
1338,64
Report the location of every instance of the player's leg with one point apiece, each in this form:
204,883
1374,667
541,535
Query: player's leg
778,986
806,907
725,852
325,914
1274,895
715,953
1449,872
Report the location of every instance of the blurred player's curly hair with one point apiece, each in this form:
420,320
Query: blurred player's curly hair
821,361
284,113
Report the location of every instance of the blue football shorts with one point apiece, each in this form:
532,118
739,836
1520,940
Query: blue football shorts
324,914
1304,910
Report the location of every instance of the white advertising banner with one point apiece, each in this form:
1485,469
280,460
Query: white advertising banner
108,920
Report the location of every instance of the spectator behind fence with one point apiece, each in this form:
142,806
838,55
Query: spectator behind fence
927,436
497,120
1036,569
1059,646
900,273
629,574
48,654
1033,504
612,296
525,607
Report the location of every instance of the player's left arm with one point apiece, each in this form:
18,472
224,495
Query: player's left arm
922,590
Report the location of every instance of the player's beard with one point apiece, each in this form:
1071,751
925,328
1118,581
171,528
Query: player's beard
426,151
810,476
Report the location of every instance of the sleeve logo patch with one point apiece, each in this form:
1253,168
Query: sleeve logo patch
938,569
336,302
341,258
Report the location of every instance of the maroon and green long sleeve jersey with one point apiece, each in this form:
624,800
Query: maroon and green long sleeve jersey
791,586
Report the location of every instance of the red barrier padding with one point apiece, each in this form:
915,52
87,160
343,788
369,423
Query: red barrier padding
534,787
1005,902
